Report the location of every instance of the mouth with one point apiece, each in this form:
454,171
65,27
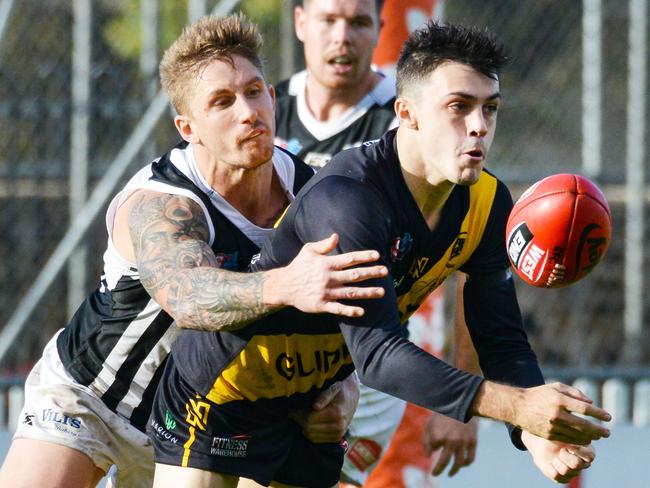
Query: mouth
341,63
254,134
475,154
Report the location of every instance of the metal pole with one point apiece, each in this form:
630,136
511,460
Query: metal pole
6,7
636,143
79,144
592,20
287,40
148,53
87,214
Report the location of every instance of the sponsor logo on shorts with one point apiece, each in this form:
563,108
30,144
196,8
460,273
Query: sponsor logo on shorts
234,447
170,423
28,419
162,433
60,421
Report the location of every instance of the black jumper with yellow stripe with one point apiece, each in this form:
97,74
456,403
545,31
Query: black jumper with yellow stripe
238,389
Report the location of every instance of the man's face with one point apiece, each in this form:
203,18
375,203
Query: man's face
231,113
455,112
339,37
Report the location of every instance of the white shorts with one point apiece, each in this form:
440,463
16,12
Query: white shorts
59,410
374,423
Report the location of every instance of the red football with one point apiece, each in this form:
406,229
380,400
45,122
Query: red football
563,220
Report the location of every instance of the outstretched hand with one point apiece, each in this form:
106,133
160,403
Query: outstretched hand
558,461
548,412
315,282
454,438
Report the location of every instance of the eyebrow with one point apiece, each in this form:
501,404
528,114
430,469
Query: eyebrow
494,96
219,91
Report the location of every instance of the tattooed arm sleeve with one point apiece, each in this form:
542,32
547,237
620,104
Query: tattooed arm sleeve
178,268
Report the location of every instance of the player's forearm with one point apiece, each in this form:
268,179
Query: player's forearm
212,299
497,401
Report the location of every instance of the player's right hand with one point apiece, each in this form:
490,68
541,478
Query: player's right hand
315,282
548,411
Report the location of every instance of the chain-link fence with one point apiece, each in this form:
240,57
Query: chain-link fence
51,127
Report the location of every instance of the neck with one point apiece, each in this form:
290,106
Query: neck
328,104
256,193
429,192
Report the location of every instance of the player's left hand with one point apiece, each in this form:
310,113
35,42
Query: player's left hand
331,413
454,439
556,460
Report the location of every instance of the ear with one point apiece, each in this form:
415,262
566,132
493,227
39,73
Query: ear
184,127
299,17
405,113
272,93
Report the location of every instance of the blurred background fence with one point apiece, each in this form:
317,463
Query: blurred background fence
80,112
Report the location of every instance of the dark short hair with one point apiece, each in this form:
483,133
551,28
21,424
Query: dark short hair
435,44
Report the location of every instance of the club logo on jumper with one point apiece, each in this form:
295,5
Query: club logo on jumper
161,432
234,447
227,261
525,255
401,246
457,248
322,361
28,419
170,423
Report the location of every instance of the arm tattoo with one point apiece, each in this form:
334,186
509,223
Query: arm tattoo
179,269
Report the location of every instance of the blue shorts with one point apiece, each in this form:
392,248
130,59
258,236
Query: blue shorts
239,438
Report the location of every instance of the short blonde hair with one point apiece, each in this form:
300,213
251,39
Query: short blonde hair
208,39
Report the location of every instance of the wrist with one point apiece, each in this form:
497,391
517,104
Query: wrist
274,289
497,401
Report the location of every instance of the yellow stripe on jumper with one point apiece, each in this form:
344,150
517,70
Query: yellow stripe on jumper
481,198
277,366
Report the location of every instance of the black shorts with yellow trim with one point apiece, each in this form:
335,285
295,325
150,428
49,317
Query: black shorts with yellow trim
239,438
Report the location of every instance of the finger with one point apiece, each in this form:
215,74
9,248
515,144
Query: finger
337,308
566,472
459,462
586,453
326,396
355,293
571,391
471,455
572,461
443,461
353,258
583,426
356,275
324,246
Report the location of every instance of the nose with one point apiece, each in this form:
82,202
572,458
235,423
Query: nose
341,31
247,110
477,124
